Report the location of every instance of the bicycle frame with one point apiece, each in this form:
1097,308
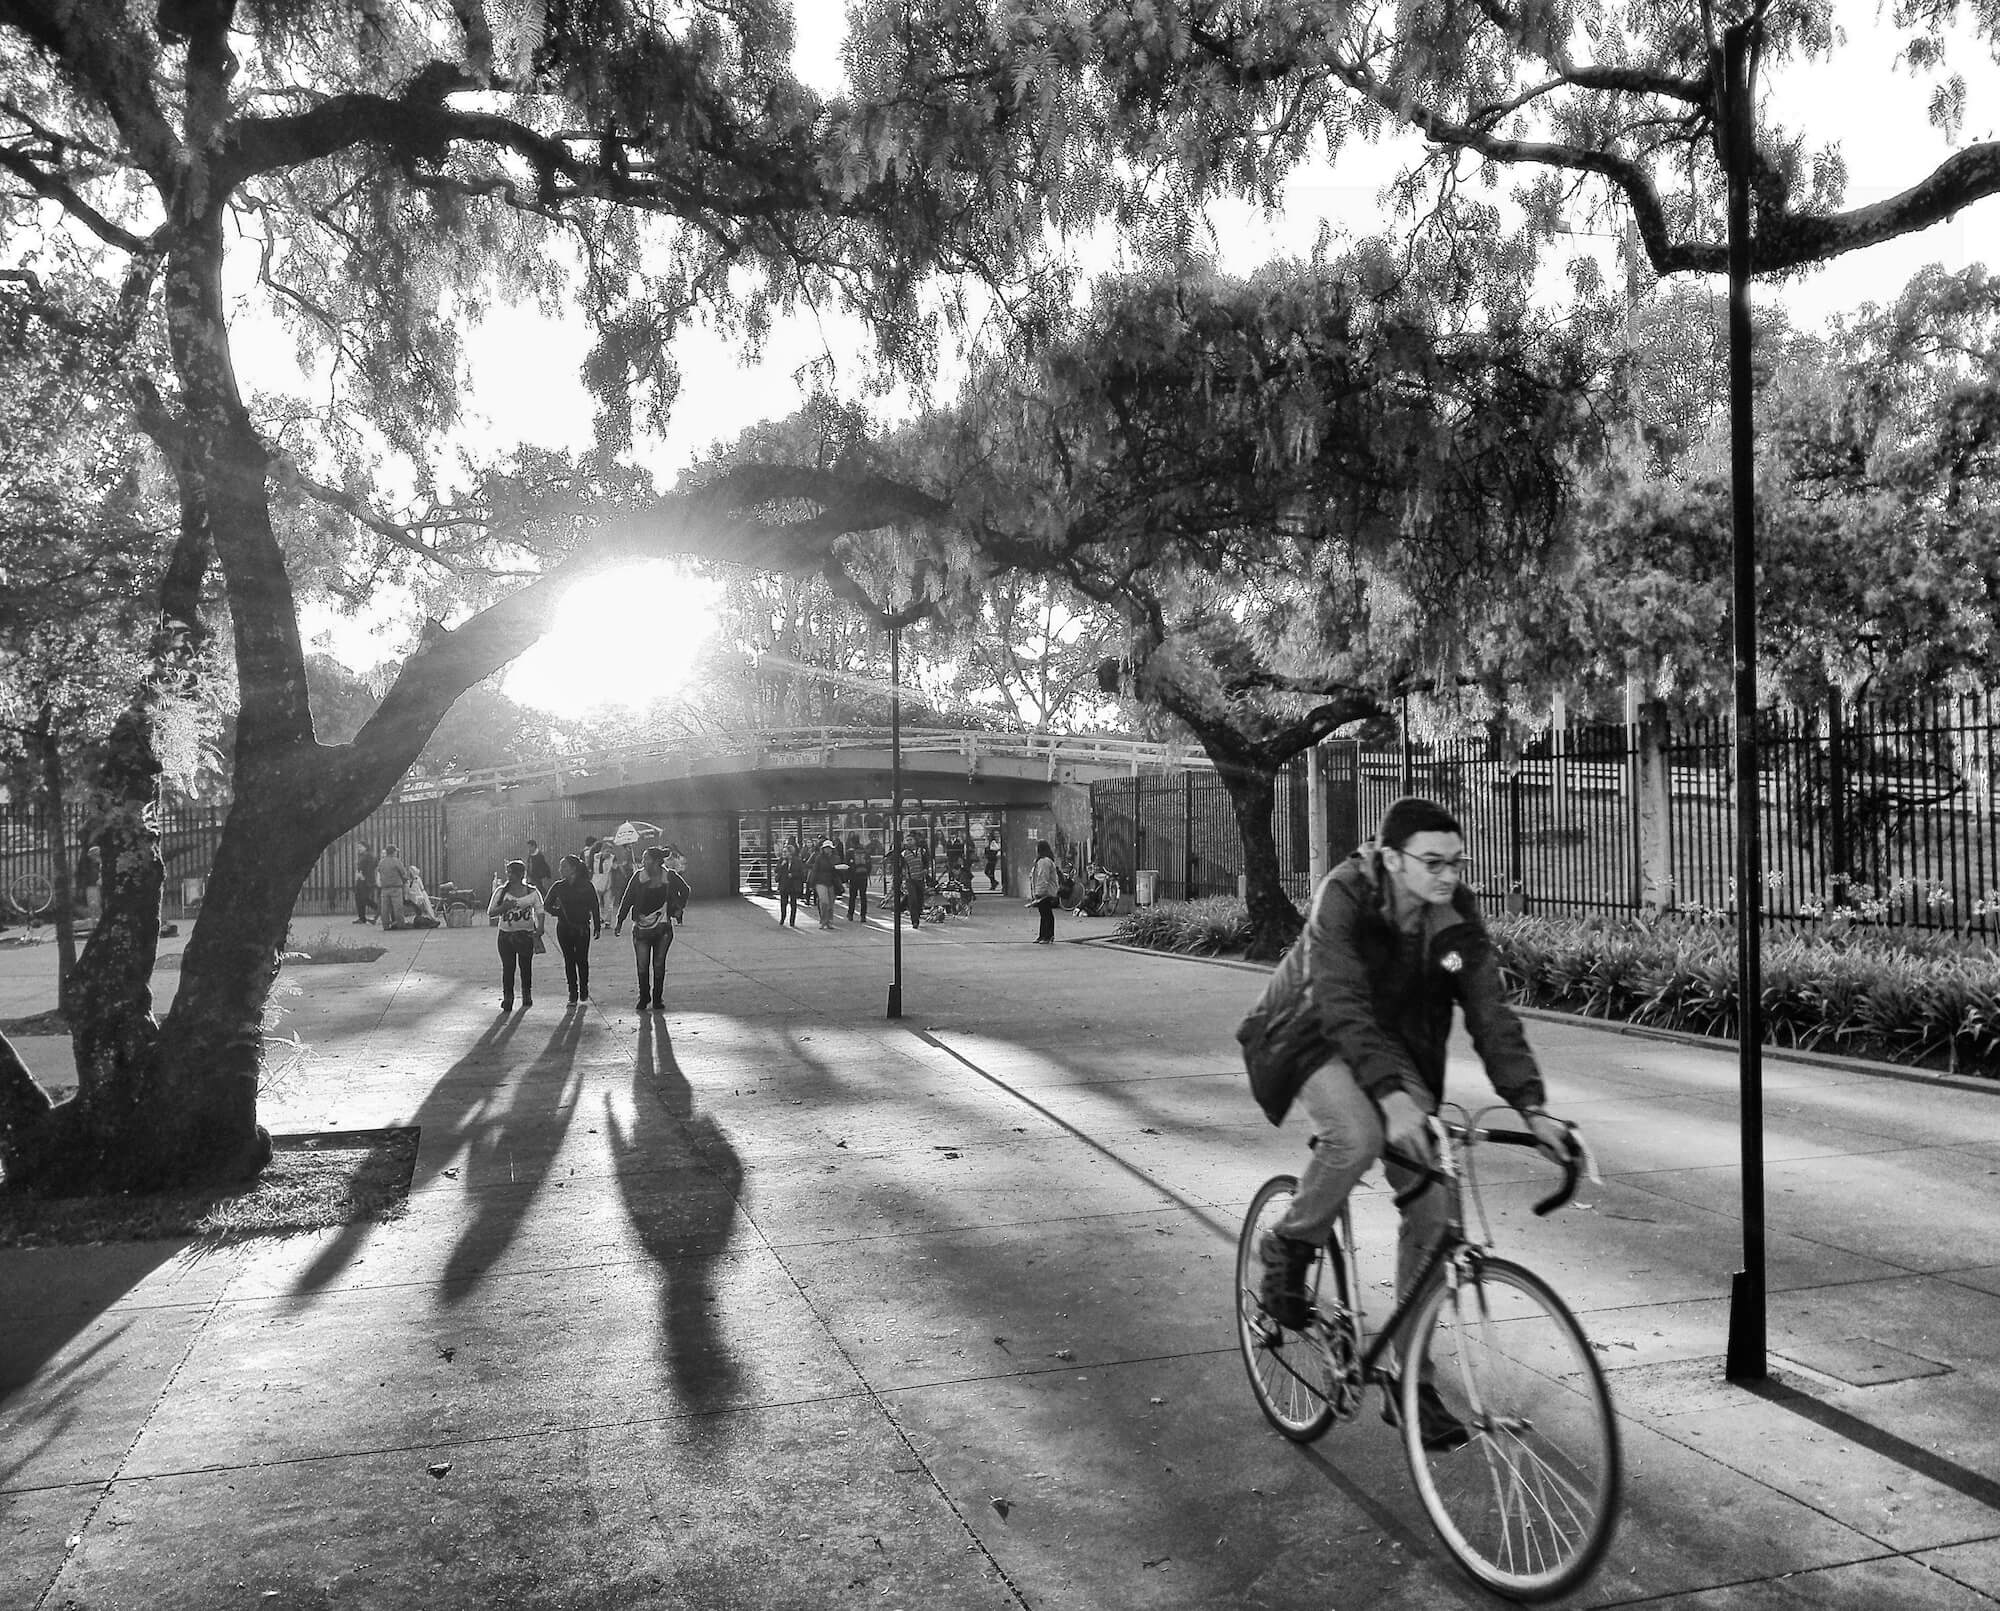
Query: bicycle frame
1451,1143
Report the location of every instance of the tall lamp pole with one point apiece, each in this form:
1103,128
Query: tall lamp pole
1745,1360
896,814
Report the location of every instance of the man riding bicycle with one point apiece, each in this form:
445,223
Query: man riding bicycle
1393,940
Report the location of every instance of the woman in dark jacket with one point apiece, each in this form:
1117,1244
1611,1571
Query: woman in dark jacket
579,917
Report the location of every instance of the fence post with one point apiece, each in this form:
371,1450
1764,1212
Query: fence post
1836,799
1653,808
1187,836
1318,854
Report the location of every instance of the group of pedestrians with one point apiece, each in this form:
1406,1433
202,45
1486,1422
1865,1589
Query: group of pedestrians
821,873
388,888
825,873
574,892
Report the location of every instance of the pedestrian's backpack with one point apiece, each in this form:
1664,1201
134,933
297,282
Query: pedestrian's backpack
1282,1038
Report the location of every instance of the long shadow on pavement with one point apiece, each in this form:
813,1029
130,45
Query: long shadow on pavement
473,1109
686,1230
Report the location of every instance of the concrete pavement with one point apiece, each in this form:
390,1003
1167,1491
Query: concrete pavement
769,1302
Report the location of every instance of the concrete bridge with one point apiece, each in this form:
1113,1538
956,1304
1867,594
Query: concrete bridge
727,799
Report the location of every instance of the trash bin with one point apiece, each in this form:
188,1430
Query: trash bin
192,891
1145,884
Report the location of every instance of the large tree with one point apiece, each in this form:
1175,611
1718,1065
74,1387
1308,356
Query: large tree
374,174
1294,490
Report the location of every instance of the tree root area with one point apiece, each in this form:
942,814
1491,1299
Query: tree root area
312,1182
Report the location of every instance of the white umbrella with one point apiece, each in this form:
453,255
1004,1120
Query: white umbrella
630,833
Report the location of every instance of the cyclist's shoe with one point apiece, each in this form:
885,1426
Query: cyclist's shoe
1283,1291
1442,1430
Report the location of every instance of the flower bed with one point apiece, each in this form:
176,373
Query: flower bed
1930,1001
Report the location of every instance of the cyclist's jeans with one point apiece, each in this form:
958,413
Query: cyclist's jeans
1349,1127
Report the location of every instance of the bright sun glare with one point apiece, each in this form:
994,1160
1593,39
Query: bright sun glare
625,638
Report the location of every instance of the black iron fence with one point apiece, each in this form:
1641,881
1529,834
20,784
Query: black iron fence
1889,813
188,837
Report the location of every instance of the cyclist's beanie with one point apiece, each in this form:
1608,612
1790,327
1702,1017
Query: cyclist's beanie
1410,816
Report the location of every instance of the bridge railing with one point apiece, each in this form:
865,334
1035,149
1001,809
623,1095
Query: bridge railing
1054,748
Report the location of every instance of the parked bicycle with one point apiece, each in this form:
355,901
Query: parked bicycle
1526,1499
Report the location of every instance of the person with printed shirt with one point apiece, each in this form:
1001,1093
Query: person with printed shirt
645,903
1393,942
518,906
912,886
579,917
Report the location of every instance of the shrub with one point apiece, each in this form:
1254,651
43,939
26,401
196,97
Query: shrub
1931,1000
1212,926
1926,999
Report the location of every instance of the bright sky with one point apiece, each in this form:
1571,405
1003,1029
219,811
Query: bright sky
524,368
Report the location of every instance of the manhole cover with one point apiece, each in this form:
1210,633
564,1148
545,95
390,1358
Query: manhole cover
1861,1361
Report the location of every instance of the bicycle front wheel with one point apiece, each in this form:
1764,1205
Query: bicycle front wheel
1528,1503
1292,1373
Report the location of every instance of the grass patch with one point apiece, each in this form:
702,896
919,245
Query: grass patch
326,946
51,1022
312,1182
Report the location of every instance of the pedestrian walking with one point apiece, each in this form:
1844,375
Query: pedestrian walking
392,876
1043,883
823,878
677,902
859,866
911,885
993,861
645,903
790,877
518,906
579,919
367,902
539,872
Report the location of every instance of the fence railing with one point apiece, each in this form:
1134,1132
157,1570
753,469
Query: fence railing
189,835
1888,813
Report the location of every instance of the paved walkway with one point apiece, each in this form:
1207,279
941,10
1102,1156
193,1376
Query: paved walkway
772,1303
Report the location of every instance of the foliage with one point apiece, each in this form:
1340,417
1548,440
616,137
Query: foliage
1622,104
1879,573
1928,1000
1293,489
1215,925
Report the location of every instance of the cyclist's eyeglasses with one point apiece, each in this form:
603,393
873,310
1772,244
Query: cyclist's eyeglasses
1439,864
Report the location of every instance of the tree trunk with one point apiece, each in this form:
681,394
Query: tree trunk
1253,795
63,899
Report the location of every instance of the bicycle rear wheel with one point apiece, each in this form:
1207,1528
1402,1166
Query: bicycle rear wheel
1292,1374
1527,1506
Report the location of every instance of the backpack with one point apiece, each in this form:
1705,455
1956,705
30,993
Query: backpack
1281,1036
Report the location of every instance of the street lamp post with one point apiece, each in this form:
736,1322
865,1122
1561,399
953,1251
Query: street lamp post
1745,1359
896,815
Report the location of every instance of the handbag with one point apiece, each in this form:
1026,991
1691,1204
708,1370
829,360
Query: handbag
541,945
1281,1036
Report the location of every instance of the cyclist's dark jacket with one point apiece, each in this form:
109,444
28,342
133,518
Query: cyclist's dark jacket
1383,998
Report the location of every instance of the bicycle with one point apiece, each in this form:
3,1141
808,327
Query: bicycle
1527,1498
